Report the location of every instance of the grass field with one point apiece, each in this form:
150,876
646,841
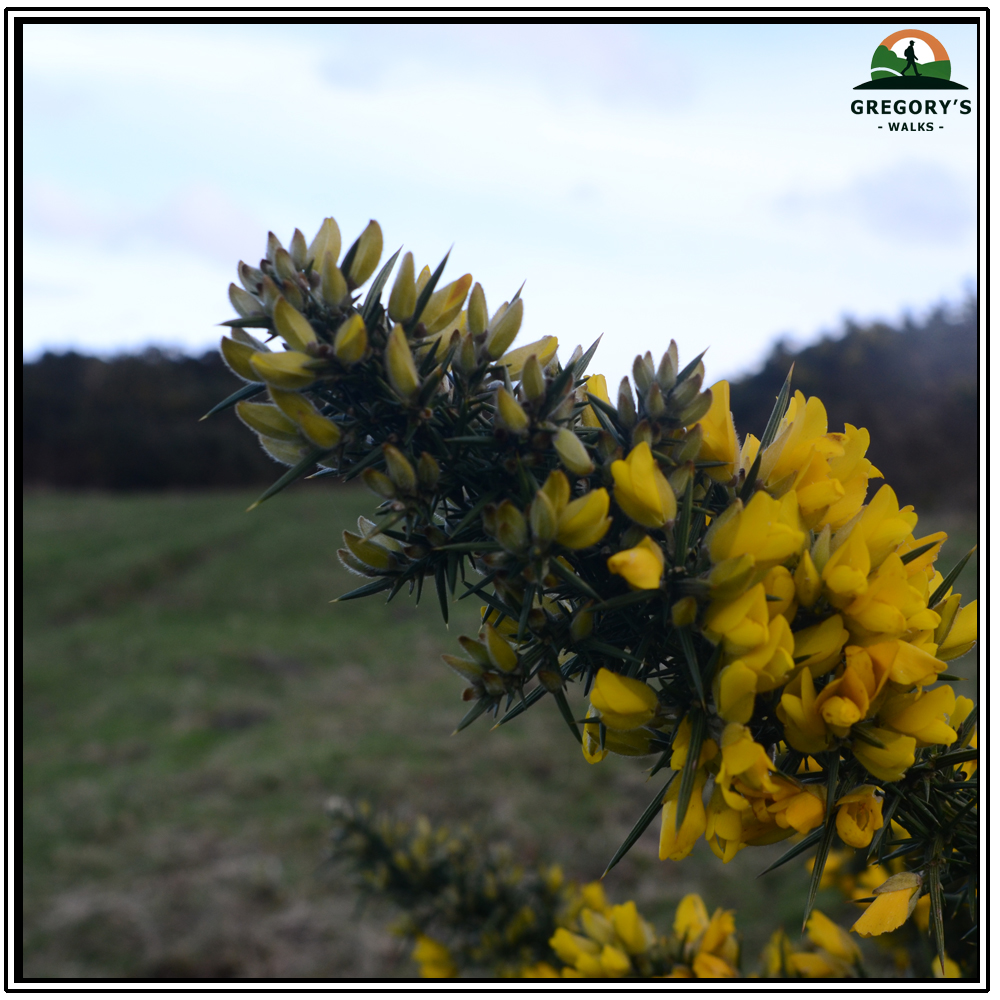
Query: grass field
191,700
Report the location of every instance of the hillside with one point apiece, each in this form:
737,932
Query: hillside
915,387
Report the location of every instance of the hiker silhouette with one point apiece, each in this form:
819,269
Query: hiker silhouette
911,59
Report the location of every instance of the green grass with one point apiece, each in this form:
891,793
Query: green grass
191,700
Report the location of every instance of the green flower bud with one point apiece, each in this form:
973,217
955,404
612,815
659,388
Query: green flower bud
685,611
666,374
243,302
693,413
655,404
250,277
688,451
267,420
504,330
468,669
572,452
273,246
543,519
283,264
285,452
428,472
292,326
326,241
582,625
370,553
511,528
400,470
642,372
285,369
237,356
298,250
626,404
476,650
379,483
320,430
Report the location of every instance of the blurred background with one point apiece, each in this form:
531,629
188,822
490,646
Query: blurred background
191,697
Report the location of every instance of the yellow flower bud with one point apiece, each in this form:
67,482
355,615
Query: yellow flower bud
285,452
284,369
501,655
597,386
572,452
641,490
379,483
544,350
351,341
585,521
478,314
471,670
737,686
326,241
510,414
624,702
403,297
445,304
504,330
333,285
890,761
238,356
399,363
807,581
641,566
962,635
369,552
367,255
690,918
677,844
400,470
320,430
533,379
634,932
267,420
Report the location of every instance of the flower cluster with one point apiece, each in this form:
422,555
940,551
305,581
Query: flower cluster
736,609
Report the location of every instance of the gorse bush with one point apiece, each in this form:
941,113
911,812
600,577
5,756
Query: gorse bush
470,909
735,611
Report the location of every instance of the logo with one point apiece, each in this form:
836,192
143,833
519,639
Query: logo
910,60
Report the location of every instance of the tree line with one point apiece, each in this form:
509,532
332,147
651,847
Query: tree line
132,422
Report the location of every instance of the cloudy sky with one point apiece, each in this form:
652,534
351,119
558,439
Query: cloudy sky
703,182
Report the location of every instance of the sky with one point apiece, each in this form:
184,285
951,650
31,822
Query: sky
707,183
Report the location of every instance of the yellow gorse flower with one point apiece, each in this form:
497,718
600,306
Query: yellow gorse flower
641,489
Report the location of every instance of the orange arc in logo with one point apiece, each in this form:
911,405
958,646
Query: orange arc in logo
936,47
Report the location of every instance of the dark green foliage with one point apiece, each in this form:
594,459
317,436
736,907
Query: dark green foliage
133,423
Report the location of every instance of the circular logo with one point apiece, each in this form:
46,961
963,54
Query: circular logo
911,53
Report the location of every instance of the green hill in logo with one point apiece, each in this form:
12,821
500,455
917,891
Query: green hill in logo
910,60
